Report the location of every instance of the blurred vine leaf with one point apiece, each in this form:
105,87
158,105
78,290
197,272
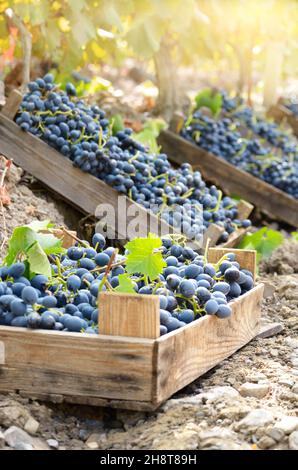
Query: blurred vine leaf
117,123
149,134
295,236
210,99
264,241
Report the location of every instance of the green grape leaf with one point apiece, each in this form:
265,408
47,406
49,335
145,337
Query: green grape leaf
117,123
38,260
209,99
125,284
148,135
50,244
22,238
295,235
38,225
144,258
264,241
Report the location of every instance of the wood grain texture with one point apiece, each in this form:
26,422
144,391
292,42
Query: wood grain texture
246,258
244,209
184,355
76,364
92,401
281,113
271,200
12,104
129,315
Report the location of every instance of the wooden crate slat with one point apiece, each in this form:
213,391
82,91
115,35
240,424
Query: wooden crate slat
281,113
129,315
76,364
12,104
184,355
273,201
246,258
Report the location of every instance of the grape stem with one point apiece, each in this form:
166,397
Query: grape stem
107,270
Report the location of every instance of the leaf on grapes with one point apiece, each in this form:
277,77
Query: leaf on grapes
22,238
125,285
143,257
50,244
38,260
209,99
38,225
148,135
264,241
117,123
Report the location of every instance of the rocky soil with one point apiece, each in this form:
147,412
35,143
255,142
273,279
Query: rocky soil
249,401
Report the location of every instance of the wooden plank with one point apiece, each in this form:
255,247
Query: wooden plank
82,190
212,234
79,365
269,329
92,401
271,200
281,113
246,258
129,315
184,355
244,209
12,104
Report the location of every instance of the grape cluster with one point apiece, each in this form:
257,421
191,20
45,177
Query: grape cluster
277,165
267,130
82,133
188,288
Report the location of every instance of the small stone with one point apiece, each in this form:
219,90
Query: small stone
93,441
219,393
257,377
266,442
255,419
83,434
288,424
293,441
294,361
234,413
292,342
13,413
23,446
221,439
53,443
2,440
295,388
276,434
31,426
15,436
286,382
274,352
254,390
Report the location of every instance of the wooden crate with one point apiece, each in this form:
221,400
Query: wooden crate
82,190
114,369
281,113
266,197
